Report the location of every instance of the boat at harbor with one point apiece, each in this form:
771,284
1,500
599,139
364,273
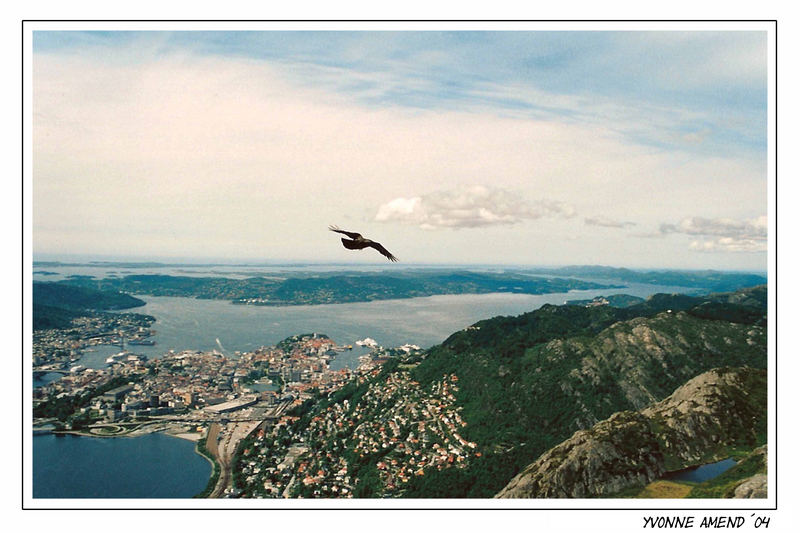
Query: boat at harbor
367,342
116,357
142,342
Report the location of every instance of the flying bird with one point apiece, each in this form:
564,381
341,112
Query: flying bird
357,242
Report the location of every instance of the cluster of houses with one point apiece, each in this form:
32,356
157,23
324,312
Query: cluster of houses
402,428
300,362
59,348
419,428
397,426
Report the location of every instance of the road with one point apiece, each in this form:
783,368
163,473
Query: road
223,439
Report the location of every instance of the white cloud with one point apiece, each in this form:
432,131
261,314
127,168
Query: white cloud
182,155
755,228
729,244
404,209
607,222
476,206
727,235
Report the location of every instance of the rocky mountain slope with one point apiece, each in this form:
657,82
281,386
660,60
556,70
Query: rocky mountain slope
703,420
526,383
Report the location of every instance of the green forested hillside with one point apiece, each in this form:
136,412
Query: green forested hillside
49,317
55,304
528,382
73,297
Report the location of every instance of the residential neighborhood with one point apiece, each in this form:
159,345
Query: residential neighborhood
396,426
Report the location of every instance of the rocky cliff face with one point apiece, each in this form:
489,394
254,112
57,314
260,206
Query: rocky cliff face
713,413
716,410
640,357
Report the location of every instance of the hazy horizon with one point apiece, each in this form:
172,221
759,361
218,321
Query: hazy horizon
67,259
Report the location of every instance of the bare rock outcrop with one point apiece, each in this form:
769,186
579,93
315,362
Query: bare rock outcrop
698,423
754,487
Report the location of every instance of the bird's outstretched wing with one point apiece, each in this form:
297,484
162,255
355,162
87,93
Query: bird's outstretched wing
382,250
350,234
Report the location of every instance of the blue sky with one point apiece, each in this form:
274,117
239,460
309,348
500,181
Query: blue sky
629,148
716,80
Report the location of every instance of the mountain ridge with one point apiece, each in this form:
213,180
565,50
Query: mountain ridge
529,382
700,422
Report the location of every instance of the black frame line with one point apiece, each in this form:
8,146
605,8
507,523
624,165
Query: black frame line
772,286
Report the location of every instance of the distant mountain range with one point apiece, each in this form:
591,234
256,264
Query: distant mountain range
711,280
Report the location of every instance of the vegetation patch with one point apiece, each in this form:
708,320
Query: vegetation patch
335,288
202,449
665,489
527,383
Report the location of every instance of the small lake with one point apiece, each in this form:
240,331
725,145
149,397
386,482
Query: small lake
701,473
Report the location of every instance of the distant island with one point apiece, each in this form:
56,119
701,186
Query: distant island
314,288
709,280
338,287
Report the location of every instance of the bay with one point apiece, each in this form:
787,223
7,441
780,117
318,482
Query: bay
195,324
151,466
40,380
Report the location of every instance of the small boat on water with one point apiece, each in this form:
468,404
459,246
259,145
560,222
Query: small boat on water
116,357
367,342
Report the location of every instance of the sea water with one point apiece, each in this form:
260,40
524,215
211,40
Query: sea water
151,466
